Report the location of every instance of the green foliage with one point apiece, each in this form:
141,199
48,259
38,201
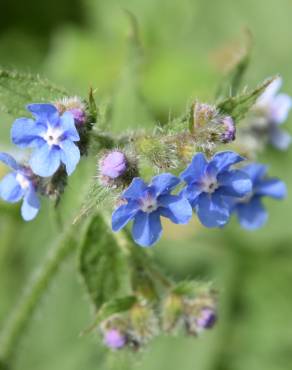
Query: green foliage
19,89
232,80
238,106
101,263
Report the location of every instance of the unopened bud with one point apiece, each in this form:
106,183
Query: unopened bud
202,114
144,324
229,129
116,169
75,106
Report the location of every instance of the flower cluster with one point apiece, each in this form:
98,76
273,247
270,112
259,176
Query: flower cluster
52,135
268,114
180,310
214,189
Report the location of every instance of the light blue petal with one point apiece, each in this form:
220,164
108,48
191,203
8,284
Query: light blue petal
251,215
280,108
30,205
272,188
212,210
147,228
135,190
10,190
123,214
222,161
176,208
45,113
268,95
70,155
255,171
196,170
234,183
279,139
27,133
164,183
9,161
45,161
68,125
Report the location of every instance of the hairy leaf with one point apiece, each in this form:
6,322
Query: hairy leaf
237,106
101,263
19,89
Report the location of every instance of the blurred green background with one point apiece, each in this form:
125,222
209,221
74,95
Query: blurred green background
186,43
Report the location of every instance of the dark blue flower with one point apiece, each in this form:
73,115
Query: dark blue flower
51,135
18,185
146,204
250,210
210,184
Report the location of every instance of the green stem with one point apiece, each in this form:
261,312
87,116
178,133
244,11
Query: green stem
21,315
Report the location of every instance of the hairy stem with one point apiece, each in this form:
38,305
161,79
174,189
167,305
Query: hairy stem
22,313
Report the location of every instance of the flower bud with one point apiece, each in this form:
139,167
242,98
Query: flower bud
116,169
75,106
202,114
144,324
114,331
206,319
113,164
114,339
229,129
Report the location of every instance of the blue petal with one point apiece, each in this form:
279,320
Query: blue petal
196,170
45,112
10,190
176,208
251,215
30,205
191,192
9,161
279,139
68,125
164,183
234,183
135,190
222,161
26,133
45,161
212,210
272,187
123,214
70,155
280,108
147,228
255,171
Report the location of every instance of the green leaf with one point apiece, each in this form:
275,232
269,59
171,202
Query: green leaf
19,89
238,106
115,306
102,264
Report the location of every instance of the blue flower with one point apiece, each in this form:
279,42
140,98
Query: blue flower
146,204
272,109
250,211
210,184
18,185
52,136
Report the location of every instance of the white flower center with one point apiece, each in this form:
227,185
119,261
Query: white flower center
23,181
148,204
209,185
53,135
